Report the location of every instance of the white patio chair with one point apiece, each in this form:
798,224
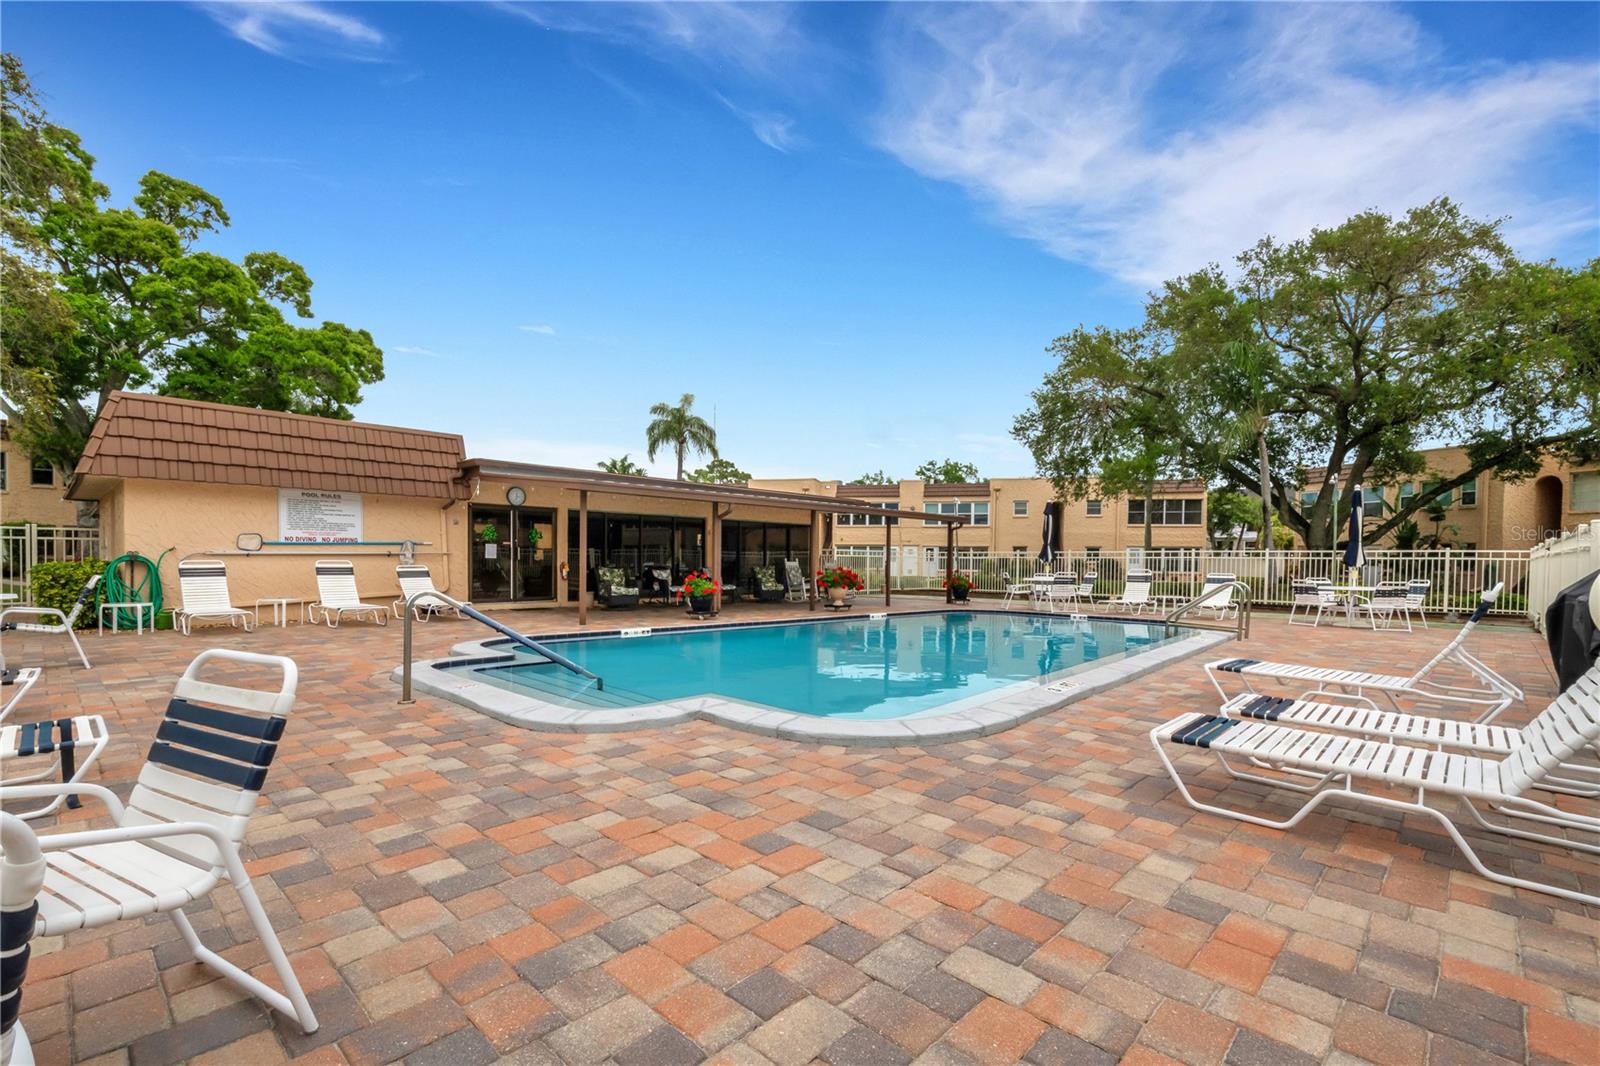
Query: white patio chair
416,580
1086,586
1416,594
1386,605
21,874
1061,592
1577,713
336,587
1015,590
1221,603
1327,766
1135,593
71,745
203,584
1491,694
64,626
178,836
1312,595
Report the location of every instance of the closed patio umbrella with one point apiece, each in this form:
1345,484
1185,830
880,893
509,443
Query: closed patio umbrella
1045,553
1354,558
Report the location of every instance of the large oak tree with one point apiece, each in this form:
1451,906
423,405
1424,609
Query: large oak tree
1374,339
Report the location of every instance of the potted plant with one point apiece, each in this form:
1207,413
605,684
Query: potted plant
839,581
959,585
698,589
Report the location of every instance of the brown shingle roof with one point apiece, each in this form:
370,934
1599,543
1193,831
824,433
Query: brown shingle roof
143,436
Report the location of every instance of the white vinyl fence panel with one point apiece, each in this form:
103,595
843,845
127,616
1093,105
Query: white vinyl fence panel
26,544
1559,562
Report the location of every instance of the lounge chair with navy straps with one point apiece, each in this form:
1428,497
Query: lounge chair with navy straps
1410,778
336,589
33,751
9,622
1491,694
179,834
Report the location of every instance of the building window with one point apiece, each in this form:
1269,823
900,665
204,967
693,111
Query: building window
1469,493
1092,550
867,519
1167,512
1019,508
1308,500
3,485
43,475
1435,495
1372,503
976,514
1093,507
1407,491
1019,549
1586,491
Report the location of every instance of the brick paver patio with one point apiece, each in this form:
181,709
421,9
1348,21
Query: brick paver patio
457,891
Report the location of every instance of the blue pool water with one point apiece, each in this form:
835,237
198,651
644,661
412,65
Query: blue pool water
852,667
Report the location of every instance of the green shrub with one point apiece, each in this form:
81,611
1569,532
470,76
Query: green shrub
58,585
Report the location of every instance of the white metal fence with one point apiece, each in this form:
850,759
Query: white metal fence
1455,577
24,545
1559,562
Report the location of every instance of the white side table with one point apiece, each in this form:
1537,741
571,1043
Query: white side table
138,610
280,609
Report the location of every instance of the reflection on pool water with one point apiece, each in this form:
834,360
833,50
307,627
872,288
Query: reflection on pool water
854,667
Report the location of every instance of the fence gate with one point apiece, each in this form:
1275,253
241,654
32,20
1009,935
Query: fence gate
26,544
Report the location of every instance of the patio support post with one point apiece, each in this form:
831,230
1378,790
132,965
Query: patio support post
583,557
714,564
888,549
949,559
814,561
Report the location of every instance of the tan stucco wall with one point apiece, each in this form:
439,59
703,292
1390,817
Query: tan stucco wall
22,501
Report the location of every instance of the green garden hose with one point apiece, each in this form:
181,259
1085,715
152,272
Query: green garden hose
114,588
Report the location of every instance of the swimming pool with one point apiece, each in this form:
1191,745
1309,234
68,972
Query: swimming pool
914,675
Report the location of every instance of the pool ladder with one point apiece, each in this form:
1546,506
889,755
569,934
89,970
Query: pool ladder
1241,627
468,611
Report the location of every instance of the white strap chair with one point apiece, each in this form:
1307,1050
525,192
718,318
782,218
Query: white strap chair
1221,603
178,836
1135,592
336,585
1086,586
416,580
1311,595
1327,765
203,584
61,741
1387,605
66,624
1416,595
1490,694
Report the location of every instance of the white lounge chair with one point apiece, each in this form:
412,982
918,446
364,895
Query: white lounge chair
178,836
1312,595
66,624
1568,717
336,587
72,745
1221,604
1328,765
416,580
203,584
1135,593
1492,694
21,874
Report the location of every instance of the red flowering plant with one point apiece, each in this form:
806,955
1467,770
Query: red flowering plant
699,585
840,577
958,583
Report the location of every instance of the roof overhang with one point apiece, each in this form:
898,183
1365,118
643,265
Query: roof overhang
582,480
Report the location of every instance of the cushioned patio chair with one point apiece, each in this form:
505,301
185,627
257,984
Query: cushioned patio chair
1328,766
336,589
765,585
178,835
796,587
64,627
203,584
612,589
1492,694
416,580
71,745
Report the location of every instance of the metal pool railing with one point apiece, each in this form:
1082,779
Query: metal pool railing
409,616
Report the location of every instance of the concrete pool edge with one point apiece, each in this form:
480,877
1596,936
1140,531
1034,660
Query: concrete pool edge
445,679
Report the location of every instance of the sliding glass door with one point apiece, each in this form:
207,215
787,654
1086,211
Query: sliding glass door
513,554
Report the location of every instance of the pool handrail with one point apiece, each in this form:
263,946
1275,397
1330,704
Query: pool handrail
468,611
1241,626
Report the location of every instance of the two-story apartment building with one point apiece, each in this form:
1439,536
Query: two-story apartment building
31,490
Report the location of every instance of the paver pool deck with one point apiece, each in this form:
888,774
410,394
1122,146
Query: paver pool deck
455,890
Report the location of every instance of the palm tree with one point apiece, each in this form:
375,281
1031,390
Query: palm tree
678,429
1249,366
624,465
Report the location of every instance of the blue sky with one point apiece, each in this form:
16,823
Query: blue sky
850,230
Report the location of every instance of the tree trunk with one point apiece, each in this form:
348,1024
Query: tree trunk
680,460
1149,506
1265,471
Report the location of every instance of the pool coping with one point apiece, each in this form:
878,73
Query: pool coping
445,677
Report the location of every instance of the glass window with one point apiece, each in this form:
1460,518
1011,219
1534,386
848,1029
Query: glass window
1093,507
1586,491
1019,508
1469,493
1135,512
1187,512
1372,502
3,458
1308,500
43,472
1436,496
932,508
1093,549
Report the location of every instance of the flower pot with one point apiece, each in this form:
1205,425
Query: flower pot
836,596
700,604
959,595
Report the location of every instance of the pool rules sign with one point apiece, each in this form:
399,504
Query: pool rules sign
307,516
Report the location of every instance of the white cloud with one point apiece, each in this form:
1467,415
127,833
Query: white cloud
1148,140
542,328
290,28
407,349
564,452
773,129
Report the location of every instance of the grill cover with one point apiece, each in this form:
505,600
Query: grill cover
1572,626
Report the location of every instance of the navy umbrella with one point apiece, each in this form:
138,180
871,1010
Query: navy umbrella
1045,553
1354,558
